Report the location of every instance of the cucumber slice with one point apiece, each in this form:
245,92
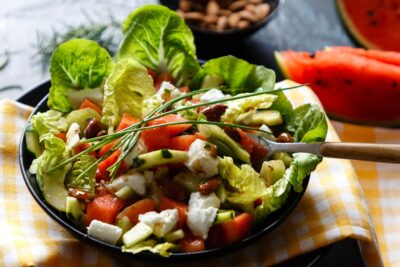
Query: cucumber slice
125,224
138,233
125,193
159,157
223,216
32,142
74,211
272,171
175,235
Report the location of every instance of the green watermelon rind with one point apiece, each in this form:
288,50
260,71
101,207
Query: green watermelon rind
352,29
281,64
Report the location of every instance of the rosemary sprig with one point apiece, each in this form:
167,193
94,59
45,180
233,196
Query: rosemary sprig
106,33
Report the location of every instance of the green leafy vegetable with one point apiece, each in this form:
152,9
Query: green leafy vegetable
86,182
50,121
125,90
159,39
282,104
238,75
151,245
303,164
308,124
77,64
245,180
52,182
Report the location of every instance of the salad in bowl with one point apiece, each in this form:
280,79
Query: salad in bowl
151,151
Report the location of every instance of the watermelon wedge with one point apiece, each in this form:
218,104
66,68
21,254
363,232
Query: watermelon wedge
351,87
382,56
374,24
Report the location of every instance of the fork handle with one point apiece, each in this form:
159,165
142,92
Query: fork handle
362,151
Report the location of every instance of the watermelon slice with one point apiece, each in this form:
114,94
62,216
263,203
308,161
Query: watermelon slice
382,56
351,87
374,24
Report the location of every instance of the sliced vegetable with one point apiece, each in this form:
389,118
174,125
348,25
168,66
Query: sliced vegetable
136,234
81,117
32,142
160,157
74,211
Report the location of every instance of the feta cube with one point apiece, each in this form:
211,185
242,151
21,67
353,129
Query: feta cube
105,232
161,223
212,95
201,161
202,211
168,90
73,135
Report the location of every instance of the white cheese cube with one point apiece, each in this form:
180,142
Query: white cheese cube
201,162
162,223
202,211
73,135
105,232
212,95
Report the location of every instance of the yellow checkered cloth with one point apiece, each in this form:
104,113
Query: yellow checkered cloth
332,208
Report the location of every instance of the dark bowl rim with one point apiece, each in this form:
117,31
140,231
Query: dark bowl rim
60,218
232,32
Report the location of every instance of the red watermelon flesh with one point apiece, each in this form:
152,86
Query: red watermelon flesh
382,56
349,86
374,23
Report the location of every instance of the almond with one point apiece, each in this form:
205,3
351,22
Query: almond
184,5
263,11
237,5
210,19
224,12
222,23
196,16
212,8
243,24
247,15
233,20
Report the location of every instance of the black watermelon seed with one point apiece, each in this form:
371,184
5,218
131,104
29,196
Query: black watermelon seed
348,82
394,84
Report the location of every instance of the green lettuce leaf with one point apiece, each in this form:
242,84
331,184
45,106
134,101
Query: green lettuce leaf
52,182
303,164
50,121
162,249
308,124
245,180
282,104
158,38
77,64
88,181
238,75
125,90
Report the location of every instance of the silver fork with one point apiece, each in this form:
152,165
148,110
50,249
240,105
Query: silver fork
361,151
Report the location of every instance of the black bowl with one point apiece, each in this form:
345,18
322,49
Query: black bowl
233,34
38,96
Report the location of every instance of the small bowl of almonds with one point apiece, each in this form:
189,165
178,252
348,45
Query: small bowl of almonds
224,18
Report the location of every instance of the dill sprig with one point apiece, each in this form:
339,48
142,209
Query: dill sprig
131,135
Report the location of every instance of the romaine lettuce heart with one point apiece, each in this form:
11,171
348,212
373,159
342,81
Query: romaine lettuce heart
77,64
158,38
